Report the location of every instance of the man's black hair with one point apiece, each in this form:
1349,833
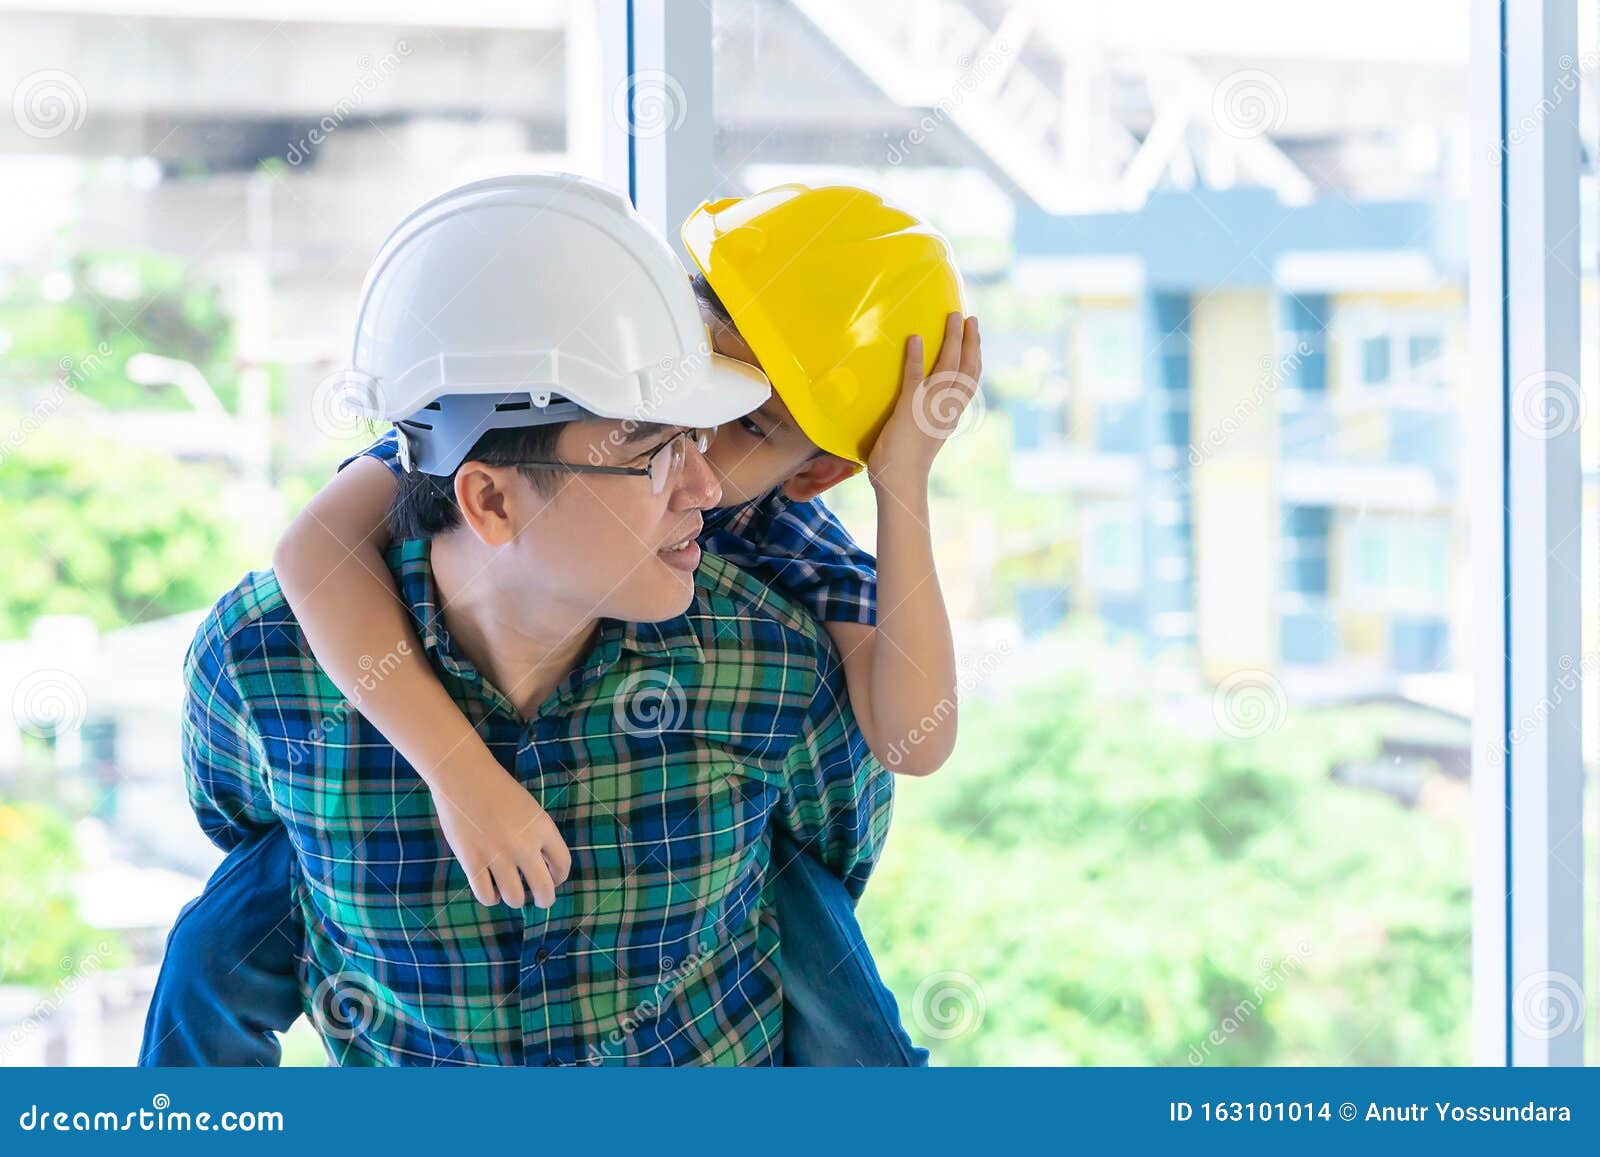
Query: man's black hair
425,504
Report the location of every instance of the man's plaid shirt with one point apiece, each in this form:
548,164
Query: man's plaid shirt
664,758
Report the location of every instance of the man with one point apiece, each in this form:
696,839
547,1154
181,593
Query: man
671,717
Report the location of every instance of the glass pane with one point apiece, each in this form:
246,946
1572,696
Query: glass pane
1563,1000
190,196
1375,361
1217,811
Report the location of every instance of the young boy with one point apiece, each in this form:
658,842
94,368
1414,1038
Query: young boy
890,627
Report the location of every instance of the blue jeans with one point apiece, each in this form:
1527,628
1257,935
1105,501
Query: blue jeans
228,984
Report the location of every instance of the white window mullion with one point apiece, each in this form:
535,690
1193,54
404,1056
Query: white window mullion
1527,756
670,97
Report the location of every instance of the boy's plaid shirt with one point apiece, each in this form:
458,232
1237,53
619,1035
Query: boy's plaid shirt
663,758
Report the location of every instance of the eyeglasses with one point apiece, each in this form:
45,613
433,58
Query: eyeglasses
665,461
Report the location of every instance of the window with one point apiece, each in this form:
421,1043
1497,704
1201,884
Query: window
1375,361
1230,291
1400,351
192,195
1397,563
1108,364
1298,515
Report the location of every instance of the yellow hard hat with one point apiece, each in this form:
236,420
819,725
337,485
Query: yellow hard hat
825,286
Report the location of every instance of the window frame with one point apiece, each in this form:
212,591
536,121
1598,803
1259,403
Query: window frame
1527,925
1527,919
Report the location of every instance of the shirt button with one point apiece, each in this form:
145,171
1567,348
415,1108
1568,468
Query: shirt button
551,1063
540,957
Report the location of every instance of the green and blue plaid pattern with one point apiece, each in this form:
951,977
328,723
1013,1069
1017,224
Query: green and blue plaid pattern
665,758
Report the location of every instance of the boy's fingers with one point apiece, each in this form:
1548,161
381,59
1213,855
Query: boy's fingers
483,887
510,884
540,884
559,860
913,370
950,351
971,357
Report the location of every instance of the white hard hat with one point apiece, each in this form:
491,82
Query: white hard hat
527,299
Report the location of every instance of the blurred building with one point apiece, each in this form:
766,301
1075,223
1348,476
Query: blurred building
1265,455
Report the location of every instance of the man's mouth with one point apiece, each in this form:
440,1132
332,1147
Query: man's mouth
682,553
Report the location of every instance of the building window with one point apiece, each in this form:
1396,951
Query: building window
1305,550
1395,564
1109,361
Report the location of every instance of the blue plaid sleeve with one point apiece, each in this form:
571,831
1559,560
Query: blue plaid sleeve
386,450
801,550
222,763
836,799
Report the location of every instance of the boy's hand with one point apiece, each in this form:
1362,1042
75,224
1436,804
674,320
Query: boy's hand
502,837
928,411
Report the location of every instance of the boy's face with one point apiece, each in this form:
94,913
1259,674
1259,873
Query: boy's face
763,449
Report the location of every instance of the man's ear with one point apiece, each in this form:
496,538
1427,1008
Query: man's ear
823,472
480,492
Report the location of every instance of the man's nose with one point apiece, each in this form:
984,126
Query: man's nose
697,486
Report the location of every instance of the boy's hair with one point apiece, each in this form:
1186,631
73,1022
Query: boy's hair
710,302
425,504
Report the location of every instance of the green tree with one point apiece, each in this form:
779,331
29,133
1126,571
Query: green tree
98,529
45,939
1089,883
129,301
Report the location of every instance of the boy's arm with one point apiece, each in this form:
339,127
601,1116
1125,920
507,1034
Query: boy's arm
902,674
331,568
